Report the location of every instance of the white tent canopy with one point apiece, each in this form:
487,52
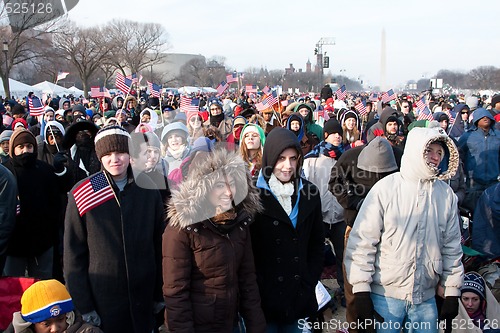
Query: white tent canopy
50,88
189,90
19,89
75,91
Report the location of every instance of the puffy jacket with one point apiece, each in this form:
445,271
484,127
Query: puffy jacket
208,270
406,237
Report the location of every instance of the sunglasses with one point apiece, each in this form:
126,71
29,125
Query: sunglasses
463,112
192,120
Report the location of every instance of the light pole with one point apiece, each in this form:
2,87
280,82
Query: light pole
6,83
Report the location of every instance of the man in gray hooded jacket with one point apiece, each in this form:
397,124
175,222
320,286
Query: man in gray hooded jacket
406,240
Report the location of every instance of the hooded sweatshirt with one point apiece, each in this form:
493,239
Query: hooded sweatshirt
406,237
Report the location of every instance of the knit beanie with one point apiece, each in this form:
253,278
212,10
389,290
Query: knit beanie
474,283
5,135
45,299
377,156
254,128
111,139
495,99
332,126
180,127
20,136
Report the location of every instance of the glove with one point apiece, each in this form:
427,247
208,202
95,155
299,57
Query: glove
92,318
363,305
449,310
60,160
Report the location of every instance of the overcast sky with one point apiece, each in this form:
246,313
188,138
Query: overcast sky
422,37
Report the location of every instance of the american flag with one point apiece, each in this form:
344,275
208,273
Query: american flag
230,78
92,193
261,106
341,92
373,97
222,87
61,75
123,83
361,108
266,90
251,88
18,207
271,99
189,104
35,106
154,89
99,92
388,96
135,78
452,120
423,111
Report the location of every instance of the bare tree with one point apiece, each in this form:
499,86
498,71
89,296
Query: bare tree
139,45
23,41
193,73
86,48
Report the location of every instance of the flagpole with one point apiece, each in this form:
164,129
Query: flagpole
54,137
161,113
109,182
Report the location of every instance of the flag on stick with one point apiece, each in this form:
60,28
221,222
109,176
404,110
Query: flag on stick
341,92
123,83
154,89
35,106
92,192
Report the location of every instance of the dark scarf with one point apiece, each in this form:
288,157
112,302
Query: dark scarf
327,149
216,120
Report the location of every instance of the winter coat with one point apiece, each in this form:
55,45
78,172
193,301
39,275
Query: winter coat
486,235
317,170
209,272
225,127
406,237
480,152
288,260
112,257
350,184
8,193
39,189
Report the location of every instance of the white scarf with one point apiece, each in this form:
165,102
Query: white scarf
177,154
282,192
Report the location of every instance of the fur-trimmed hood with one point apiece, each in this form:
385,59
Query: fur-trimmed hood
190,203
413,164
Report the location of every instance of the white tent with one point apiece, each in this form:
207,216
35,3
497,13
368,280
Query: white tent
19,89
189,90
75,91
50,88
209,90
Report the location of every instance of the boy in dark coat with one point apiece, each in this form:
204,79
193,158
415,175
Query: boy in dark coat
112,242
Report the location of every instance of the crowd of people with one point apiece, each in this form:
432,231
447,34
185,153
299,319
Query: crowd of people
137,215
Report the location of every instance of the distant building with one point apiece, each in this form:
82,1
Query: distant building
308,66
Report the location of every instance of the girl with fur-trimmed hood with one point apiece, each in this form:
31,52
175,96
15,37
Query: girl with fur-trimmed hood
208,265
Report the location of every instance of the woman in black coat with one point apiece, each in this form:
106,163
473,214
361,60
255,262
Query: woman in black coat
288,236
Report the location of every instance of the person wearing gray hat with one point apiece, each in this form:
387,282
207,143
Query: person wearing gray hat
4,145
